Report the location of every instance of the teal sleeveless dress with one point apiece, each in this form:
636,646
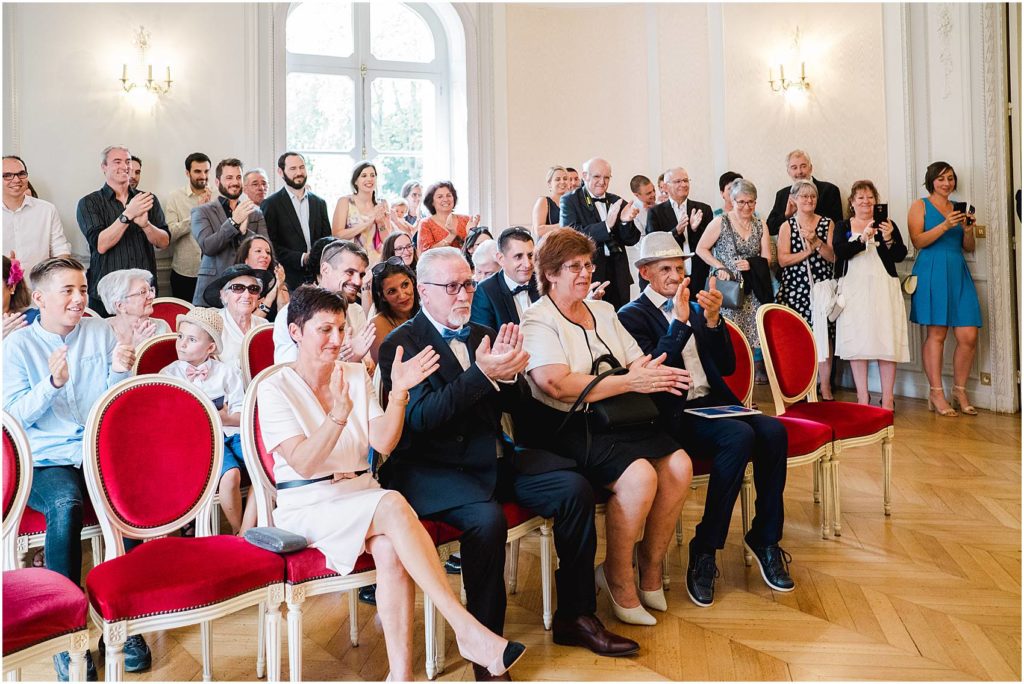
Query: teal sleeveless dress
945,292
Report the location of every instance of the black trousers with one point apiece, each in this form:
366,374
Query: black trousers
730,443
183,287
564,495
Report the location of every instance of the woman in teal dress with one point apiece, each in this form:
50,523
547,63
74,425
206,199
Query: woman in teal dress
945,297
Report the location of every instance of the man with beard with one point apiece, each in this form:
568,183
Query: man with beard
135,175
341,267
186,255
220,226
296,218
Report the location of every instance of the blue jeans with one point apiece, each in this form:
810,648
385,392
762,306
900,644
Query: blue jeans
58,492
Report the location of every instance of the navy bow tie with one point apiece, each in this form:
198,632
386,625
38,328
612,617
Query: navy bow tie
521,288
668,306
462,334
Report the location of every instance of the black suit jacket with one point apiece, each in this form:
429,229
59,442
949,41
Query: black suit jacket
579,211
663,217
830,204
285,232
647,324
493,305
448,453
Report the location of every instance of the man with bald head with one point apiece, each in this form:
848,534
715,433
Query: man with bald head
609,221
686,219
799,167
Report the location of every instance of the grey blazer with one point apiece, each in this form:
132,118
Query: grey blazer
218,241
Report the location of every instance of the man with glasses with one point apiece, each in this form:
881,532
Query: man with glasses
504,296
255,184
609,221
454,465
32,228
686,219
124,227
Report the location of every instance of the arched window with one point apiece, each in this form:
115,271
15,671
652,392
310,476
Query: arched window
368,81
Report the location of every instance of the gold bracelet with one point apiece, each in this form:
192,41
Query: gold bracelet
400,401
337,421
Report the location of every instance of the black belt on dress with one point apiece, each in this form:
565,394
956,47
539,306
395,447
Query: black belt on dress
290,484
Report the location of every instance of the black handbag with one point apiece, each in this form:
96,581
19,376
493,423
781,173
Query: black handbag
732,290
621,412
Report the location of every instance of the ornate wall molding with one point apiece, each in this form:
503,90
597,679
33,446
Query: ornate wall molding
945,31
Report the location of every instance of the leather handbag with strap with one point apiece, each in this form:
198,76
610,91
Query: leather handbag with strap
623,411
732,289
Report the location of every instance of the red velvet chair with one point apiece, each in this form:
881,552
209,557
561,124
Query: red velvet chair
90,313
168,308
44,613
790,359
257,352
147,476
155,354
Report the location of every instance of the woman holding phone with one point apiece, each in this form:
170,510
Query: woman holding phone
873,324
945,297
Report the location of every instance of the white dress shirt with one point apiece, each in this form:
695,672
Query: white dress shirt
221,382
522,299
301,205
699,385
34,233
682,210
641,216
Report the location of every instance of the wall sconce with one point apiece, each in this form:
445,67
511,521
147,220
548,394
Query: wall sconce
784,85
141,43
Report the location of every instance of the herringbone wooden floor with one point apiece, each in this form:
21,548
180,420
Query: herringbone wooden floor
932,593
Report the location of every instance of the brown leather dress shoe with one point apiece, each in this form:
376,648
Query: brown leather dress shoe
481,674
587,631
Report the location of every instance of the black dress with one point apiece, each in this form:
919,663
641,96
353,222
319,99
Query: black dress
554,213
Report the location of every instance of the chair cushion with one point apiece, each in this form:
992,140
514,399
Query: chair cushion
846,419
11,475
310,564
177,573
441,533
39,604
701,466
34,522
805,436
515,514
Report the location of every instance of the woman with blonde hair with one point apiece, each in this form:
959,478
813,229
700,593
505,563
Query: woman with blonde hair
546,210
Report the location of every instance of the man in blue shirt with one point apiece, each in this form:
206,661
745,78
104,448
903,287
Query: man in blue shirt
55,371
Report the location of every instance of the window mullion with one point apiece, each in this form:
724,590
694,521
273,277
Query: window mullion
362,40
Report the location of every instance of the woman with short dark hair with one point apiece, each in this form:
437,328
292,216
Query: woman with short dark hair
444,228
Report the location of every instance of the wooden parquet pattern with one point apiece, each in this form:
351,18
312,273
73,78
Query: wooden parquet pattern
932,593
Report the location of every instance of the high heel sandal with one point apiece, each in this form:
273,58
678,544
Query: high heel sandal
958,397
946,412
631,616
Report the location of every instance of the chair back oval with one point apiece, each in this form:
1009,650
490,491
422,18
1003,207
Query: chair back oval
790,357
90,313
257,352
741,381
152,454
17,482
168,308
258,460
156,353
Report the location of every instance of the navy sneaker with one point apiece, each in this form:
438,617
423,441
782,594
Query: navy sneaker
137,656
774,565
62,664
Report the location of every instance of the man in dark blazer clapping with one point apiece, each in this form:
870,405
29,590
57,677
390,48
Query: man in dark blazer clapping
608,220
694,336
503,297
686,220
296,218
453,464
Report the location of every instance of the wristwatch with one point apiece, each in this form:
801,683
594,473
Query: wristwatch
264,308
123,218
231,220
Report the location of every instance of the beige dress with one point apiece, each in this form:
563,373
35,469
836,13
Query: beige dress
232,337
334,517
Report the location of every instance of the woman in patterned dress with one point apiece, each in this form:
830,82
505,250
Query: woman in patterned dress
806,257
729,241
359,216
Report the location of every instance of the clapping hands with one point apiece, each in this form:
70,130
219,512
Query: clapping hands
505,359
647,376
407,374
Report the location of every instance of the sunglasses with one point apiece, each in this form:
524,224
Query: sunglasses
392,261
239,288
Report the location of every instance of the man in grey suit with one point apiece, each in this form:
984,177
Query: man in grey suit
222,225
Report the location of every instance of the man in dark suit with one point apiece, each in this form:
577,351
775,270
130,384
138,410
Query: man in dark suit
503,297
296,218
685,219
453,464
608,220
799,167
693,336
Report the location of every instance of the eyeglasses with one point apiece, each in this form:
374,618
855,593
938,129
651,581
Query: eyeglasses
148,292
404,250
746,203
455,288
577,267
17,174
391,261
239,288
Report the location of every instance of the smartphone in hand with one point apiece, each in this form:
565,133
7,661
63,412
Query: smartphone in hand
965,208
881,214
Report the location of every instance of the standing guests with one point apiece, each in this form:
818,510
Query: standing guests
395,298
693,336
220,226
135,173
731,243
474,238
806,258
506,295
237,292
296,218
546,208
255,185
32,228
873,323
574,179
685,219
186,257
128,296
607,219
724,181
453,464
360,217
123,226
942,230
644,196
443,228
570,340
412,193
257,252
799,167
55,371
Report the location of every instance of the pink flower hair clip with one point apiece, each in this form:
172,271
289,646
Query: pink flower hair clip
16,275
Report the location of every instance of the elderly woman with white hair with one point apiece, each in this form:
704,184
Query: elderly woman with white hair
128,296
485,260
238,290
